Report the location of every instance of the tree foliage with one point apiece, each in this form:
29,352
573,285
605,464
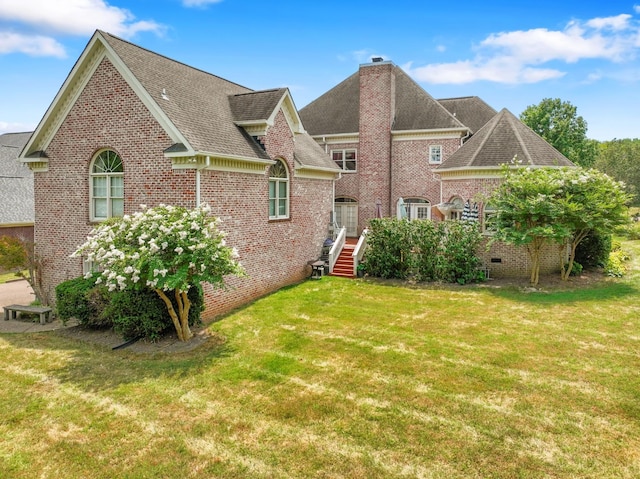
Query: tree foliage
558,122
546,206
620,159
19,255
169,249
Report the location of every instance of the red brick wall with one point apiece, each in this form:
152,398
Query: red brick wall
514,261
413,176
23,232
108,114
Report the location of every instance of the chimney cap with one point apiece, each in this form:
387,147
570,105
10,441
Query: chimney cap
377,59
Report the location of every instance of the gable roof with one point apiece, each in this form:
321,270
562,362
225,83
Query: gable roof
338,110
16,182
471,111
499,141
201,112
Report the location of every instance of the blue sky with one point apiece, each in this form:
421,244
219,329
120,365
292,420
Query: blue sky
512,54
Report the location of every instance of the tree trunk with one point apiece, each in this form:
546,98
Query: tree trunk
180,320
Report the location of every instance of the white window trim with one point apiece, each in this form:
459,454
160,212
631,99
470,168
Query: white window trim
432,151
487,211
344,152
92,176
277,181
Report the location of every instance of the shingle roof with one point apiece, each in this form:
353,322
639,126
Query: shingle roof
499,141
16,181
196,102
255,105
337,111
471,111
205,107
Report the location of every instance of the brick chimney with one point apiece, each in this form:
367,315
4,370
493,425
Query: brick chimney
377,110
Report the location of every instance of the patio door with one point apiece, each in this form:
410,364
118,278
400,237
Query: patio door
347,215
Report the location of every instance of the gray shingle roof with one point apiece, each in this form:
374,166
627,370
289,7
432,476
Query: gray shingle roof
255,105
204,107
197,103
16,181
499,141
337,111
471,111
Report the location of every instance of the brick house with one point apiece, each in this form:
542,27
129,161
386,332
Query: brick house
402,152
16,188
131,127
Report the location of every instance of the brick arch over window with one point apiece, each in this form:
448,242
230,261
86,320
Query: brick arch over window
278,191
106,179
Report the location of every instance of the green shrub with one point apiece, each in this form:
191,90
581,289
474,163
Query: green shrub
443,251
76,298
142,313
389,252
131,313
615,265
458,259
427,241
593,251
576,269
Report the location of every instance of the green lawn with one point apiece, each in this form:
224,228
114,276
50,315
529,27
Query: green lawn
345,378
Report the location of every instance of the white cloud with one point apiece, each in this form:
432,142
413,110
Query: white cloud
6,127
30,45
519,56
70,17
199,3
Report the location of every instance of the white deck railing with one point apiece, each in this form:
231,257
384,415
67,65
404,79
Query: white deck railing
358,252
335,250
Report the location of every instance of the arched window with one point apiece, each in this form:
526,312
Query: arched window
278,191
107,186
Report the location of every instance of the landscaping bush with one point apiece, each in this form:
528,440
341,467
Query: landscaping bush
443,251
458,259
593,251
73,301
427,240
141,313
131,313
615,265
389,248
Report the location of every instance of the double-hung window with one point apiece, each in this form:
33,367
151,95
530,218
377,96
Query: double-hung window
107,186
278,191
435,154
345,159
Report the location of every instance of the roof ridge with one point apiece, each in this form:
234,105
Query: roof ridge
487,135
511,118
105,33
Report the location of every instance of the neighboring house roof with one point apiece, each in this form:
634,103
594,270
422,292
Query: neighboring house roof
338,110
201,112
499,141
16,182
471,111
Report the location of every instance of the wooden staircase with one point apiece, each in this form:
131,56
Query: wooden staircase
344,264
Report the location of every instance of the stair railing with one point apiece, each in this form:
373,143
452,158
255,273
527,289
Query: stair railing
335,250
358,252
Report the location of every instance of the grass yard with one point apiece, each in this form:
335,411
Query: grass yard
345,378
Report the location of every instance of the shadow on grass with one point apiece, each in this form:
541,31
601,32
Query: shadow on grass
605,291
95,367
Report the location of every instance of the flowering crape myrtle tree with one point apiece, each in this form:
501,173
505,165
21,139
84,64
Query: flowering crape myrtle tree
169,249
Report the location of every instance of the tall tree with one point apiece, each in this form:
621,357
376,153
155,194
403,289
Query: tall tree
620,159
558,122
